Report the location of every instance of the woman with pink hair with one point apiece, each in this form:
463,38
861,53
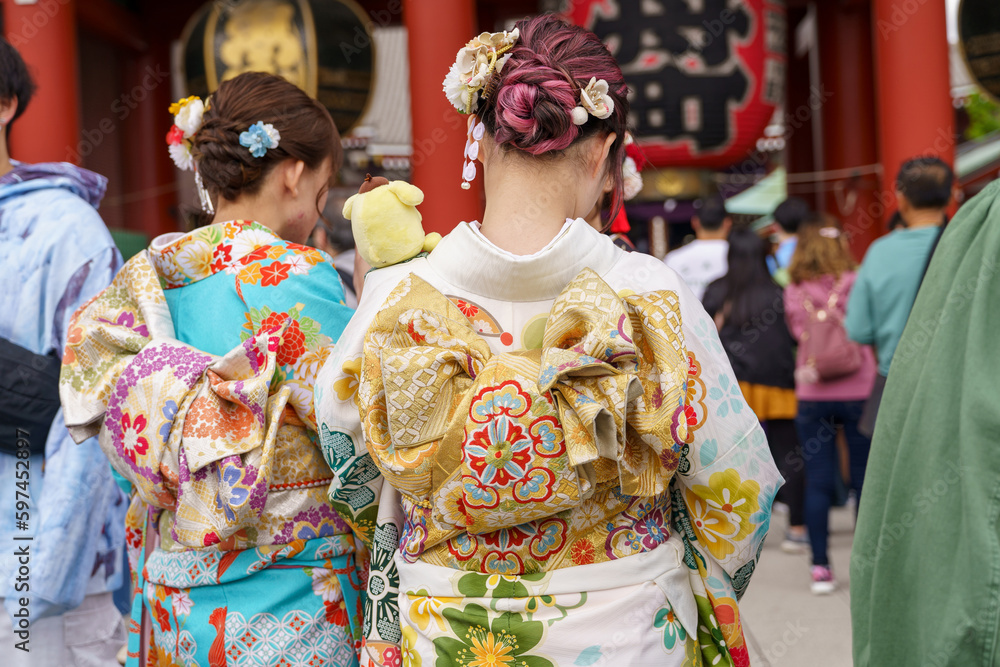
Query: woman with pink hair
538,433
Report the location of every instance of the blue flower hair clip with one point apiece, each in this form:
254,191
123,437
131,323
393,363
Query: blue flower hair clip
260,138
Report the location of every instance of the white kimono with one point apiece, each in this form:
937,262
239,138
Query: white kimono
572,475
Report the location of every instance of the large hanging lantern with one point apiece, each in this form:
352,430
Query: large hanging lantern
322,46
979,41
705,77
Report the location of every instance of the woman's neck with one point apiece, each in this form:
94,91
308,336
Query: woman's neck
254,209
524,211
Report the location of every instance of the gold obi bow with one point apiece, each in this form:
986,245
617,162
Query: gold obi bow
488,441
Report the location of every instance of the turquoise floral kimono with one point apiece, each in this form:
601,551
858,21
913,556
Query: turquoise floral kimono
196,368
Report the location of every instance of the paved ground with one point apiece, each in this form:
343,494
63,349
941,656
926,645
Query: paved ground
785,624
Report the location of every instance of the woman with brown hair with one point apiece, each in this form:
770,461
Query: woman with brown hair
196,368
833,376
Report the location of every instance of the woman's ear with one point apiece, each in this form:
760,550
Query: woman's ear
293,170
601,150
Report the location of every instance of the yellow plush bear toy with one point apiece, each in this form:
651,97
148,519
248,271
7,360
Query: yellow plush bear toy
386,222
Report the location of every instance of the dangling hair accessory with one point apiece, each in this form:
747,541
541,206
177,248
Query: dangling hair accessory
472,153
203,196
594,101
632,168
260,138
474,66
473,77
188,117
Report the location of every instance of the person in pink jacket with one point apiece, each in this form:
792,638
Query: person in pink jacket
822,275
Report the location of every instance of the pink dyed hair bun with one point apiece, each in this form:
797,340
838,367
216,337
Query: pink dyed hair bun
532,104
534,107
530,108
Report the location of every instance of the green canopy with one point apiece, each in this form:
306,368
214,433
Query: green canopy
760,198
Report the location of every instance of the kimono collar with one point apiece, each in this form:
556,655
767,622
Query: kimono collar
468,259
183,259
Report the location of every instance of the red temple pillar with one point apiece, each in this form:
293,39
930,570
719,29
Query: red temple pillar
437,31
850,154
149,178
45,35
915,115
800,114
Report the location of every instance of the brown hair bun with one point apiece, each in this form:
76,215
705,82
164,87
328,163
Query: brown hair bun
307,133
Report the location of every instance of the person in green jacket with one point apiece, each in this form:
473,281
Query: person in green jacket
925,567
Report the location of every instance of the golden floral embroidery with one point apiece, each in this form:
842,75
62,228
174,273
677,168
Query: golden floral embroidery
721,512
347,386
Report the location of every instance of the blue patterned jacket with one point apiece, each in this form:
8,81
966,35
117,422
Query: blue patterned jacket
56,254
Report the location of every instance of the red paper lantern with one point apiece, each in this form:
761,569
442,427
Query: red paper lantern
704,83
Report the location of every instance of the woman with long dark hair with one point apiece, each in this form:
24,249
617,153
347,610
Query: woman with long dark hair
748,307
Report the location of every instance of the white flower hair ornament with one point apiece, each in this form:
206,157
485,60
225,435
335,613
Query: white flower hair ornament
594,101
188,115
475,64
469,80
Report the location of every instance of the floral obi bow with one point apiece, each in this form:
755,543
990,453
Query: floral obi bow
195,434
489,441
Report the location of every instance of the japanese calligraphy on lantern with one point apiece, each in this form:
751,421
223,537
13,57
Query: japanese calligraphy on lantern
704,75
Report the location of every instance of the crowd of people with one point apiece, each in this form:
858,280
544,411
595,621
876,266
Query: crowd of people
811,335
531,446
